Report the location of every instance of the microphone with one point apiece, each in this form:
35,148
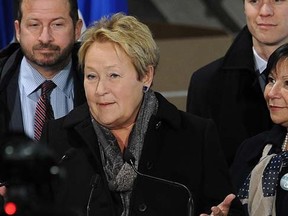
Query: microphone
93,183
130,159
67,155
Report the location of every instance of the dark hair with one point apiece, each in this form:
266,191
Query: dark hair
73,10
280,53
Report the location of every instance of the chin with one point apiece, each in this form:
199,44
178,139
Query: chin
279,122
107,124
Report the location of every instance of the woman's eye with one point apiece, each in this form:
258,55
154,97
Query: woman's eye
90,76
114,75
271,80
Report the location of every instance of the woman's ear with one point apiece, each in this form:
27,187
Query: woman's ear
148,78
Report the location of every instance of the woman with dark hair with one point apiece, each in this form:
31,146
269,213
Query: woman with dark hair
260,171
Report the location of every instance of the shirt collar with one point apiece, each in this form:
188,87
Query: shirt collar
31,79
260,63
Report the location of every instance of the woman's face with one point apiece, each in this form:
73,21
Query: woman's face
113,92
276,93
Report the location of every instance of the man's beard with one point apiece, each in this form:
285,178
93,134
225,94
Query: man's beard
55,60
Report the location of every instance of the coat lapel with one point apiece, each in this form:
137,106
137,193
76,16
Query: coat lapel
80,121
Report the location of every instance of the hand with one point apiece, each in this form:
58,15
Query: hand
2,191
223,208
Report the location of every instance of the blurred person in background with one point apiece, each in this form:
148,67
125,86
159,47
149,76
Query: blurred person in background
45,52
230,89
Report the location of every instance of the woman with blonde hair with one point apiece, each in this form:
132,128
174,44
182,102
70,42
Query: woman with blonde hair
144,155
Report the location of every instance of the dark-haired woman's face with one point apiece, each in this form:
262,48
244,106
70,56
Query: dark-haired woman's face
276,93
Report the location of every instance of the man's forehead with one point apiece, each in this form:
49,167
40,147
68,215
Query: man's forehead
45,8
45,5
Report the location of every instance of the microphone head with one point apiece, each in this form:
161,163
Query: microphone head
128,157
68,155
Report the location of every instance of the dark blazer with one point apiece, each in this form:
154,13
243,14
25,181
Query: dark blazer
248,156
10,59
178,147
228,91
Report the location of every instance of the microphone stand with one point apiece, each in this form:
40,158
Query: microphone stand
190,204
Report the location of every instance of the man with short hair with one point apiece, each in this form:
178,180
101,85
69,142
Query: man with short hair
230,89
47,32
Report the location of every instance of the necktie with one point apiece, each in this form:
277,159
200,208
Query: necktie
262,81
44,109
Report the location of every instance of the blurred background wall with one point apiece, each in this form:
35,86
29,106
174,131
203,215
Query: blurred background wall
190,33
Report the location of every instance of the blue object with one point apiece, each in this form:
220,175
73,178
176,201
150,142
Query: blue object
6,22
93,10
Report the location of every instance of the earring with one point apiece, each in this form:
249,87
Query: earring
145,89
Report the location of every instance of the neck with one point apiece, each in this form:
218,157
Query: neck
122,135
49,71
264,50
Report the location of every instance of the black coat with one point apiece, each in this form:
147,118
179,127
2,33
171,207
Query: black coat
10,113
248,156
228,91
178,147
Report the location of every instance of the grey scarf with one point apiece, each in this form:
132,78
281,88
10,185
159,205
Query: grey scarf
120,175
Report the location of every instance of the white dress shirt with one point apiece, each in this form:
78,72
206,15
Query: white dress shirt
61,97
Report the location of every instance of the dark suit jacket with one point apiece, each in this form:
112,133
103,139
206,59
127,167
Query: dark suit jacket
178,147
248,156
228,91
10,59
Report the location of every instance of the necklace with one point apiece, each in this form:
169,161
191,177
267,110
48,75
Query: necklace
284,179
284,145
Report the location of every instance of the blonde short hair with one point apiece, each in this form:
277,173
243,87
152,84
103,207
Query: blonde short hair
133,36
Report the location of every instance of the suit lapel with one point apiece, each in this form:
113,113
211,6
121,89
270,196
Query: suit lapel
14,104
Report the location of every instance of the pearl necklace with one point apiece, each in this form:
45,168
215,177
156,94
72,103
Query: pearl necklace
284,145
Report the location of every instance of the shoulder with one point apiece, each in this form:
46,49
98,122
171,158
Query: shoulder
251,148
205,73
59,127
202,86
195,120
10,58
242,40
74,117
9,50
247,156
179,119
60,133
